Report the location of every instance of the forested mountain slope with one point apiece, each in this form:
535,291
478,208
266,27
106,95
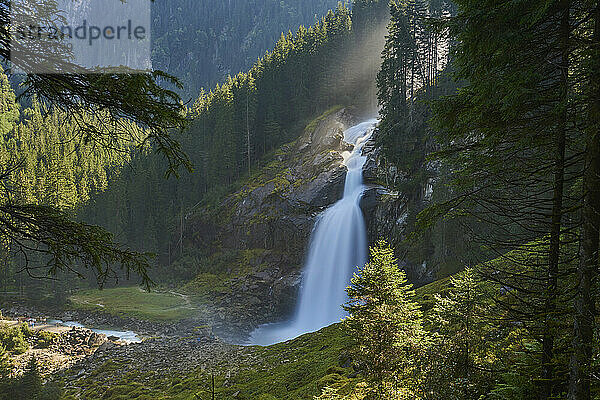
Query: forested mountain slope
203,41
51,167
238,123
234,126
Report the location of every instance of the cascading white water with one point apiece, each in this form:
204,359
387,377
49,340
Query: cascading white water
338,244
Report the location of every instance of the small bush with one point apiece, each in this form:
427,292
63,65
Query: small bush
26,330
13,339
46,339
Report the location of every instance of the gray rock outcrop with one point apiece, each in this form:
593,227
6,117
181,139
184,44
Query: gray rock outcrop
271,218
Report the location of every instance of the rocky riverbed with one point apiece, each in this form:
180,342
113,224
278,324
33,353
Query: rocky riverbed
183,368
163,357
98,319
55,351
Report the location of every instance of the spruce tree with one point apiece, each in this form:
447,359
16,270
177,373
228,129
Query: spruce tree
9,109
386,324
511,145
460,368
588,37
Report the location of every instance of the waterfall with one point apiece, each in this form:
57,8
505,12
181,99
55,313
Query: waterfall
338,244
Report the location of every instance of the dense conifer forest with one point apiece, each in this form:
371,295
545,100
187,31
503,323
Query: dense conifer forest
235,125
483,172
202,42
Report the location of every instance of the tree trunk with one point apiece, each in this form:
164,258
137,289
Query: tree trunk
557,210
579,388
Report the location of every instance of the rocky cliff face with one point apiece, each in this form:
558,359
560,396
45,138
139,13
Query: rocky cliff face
266,226
387,211
258,236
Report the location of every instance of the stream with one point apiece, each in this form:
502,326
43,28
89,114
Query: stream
124,336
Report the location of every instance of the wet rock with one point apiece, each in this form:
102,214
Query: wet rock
371,169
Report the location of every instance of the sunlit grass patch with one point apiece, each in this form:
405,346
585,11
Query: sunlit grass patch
135,302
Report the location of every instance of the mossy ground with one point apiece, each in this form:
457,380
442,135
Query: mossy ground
298,369
315,122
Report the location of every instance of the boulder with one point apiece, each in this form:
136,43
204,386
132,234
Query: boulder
109,345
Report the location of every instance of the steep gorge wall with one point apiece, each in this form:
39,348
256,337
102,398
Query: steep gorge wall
256,239
259,234
390,213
